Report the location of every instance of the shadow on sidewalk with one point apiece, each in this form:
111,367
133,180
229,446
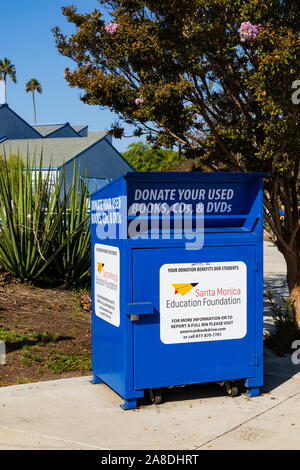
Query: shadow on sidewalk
278,370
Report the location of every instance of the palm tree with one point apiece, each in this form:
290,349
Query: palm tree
7,69
33,85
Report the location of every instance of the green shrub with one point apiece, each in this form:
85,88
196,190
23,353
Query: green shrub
31,357
60,363
25,339
11,336
286,329
45,337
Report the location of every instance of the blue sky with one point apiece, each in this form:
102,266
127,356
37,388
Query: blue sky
27,40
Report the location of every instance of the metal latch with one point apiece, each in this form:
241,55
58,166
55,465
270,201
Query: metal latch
256,360
258,265
134,310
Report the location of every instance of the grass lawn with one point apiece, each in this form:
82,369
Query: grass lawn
47,332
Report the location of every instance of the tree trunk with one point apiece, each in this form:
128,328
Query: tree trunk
295,294
286,233
34,107
5,91
293,280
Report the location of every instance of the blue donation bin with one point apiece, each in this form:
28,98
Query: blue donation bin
177,282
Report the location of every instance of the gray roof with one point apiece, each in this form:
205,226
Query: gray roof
47,129
78,128
56,151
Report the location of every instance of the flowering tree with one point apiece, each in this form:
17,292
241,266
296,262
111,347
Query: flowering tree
213,75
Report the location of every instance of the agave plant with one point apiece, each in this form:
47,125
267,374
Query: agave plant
74,263
39,226
30,214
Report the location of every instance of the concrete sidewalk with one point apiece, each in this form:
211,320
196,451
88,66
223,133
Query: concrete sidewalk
74,414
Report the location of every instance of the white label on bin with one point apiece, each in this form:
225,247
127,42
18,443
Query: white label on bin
203,302
107,283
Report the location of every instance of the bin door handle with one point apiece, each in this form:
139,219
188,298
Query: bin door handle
134,310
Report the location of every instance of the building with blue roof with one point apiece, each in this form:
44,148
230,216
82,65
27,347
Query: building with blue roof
62,146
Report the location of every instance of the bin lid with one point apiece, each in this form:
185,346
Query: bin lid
226,199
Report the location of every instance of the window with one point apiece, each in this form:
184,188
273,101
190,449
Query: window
95,183
50,174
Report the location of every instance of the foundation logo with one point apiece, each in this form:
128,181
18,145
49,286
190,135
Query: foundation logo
100,267
183,289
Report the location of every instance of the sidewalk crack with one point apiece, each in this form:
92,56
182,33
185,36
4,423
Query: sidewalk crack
44,436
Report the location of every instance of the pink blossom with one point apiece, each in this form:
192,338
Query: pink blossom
249,31
139,101
111,28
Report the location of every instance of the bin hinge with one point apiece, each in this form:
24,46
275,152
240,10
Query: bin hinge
258,265
256,360
134,310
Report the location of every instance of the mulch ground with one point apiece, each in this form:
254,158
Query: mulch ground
47,333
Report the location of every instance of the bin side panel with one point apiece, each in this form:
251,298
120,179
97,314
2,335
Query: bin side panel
108,334
108,338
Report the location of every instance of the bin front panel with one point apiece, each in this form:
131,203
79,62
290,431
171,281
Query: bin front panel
204,321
